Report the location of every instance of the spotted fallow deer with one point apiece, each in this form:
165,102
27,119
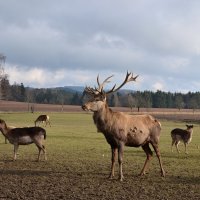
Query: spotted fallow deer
121,129
179,135
43,119
24,136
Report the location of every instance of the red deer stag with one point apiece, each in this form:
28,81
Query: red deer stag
121,129
179,135
43,119
24,136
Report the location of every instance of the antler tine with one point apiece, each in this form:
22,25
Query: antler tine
89,90
100,89
129,77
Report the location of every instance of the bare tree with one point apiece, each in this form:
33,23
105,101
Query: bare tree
3,78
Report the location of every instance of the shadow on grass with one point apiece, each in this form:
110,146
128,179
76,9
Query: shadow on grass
25,172
183,180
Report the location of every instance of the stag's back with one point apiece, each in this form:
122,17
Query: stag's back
143,128
133,130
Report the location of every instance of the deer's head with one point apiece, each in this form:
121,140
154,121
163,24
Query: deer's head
2,124
97,95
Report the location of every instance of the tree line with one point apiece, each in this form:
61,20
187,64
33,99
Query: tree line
122,98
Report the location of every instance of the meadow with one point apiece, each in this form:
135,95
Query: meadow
79,161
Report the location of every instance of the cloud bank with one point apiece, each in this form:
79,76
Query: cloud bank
58,43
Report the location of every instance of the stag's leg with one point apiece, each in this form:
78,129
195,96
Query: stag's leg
16,146
120,158
149,154
156,149
113,151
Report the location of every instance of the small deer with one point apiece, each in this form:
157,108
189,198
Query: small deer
43,119
179,135
24,136
121,129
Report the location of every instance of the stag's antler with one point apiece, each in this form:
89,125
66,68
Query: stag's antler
91,91
99,90
95,91
129,77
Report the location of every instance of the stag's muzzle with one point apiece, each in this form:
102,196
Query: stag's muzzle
84,107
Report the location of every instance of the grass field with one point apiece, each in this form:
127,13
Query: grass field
79,163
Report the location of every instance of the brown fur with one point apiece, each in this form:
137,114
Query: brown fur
24,136
179,135
43,119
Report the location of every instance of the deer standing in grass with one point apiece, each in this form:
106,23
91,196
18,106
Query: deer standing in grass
121,129
24,136
43,119
179,135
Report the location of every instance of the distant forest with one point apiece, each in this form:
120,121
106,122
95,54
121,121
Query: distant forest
124,98
74,96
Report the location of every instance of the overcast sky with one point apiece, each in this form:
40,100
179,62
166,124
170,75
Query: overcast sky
50,43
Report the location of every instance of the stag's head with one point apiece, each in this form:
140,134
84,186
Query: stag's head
97,96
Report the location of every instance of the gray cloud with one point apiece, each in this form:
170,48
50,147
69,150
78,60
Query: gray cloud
70,42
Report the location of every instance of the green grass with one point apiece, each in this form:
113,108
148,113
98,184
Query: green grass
79,163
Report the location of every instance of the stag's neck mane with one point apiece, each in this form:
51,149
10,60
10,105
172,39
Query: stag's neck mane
102,118
103,112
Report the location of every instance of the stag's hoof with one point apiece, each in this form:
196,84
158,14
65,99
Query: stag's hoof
142,173
111,177
163,173
121,178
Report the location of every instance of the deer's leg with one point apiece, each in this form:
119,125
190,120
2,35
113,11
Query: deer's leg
44,151
41,148
120,158
156,149
173,141
176,144
149,154
39,152
113,158
5,140
186,152
16,146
